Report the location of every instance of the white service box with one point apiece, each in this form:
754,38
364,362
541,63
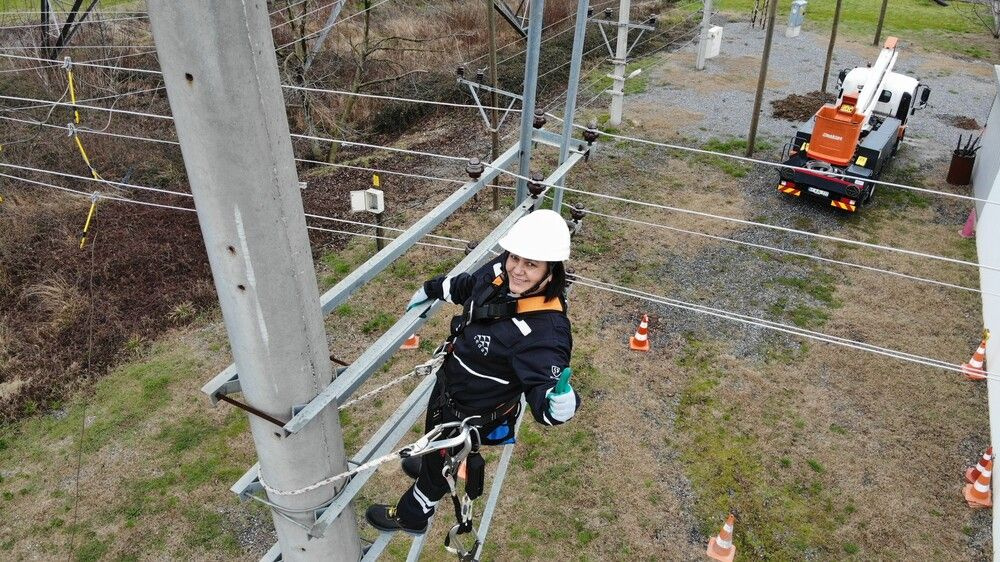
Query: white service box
714,43
371,200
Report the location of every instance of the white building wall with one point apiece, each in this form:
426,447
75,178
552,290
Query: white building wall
986,185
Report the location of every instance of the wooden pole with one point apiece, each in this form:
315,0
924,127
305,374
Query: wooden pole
829,50
881,18
772,7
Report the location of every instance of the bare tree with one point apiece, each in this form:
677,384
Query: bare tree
69,28
987,12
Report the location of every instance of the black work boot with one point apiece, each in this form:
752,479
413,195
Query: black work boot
411,466
384,518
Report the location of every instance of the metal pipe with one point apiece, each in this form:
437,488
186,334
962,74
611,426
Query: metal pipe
576,61
528,103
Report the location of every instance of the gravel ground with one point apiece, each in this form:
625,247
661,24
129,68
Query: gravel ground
715,104
958,87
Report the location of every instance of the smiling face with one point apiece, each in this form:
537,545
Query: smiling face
523,274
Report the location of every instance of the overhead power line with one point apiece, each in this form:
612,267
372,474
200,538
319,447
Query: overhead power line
771,325
339,21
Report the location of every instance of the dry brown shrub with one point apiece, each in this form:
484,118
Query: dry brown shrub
59,300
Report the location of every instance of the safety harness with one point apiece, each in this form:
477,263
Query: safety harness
474,466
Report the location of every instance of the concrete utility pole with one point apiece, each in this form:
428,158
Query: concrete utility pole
491,19
706,17
772,8
528,105
621,52
881,19
576,61
829,50
222,81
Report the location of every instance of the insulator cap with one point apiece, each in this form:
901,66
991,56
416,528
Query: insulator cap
590,134
607,12
577,211
651,21
535,187
460,71
570,276
590,11
539,121
480,75
474,168
470,246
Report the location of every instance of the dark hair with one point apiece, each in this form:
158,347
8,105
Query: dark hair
557,286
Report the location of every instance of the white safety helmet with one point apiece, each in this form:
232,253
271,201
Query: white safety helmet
540,236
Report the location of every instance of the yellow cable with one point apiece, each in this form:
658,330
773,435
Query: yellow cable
86,159
72,94
90,215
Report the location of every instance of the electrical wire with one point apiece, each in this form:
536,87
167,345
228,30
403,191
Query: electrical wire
380,147
104,196
763,225
101,181
771,325
90,107
325,27
302,15
778,164
790,252
88,131
397,98
85,64
75,23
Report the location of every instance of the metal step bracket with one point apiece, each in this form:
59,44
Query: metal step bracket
476,85
643,27
225,383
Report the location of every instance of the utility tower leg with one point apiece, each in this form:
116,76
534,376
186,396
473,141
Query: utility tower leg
530,85
621,50
706,18
222,81
576,61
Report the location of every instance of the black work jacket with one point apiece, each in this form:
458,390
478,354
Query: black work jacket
494,360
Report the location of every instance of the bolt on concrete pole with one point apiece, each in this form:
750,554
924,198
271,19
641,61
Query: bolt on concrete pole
225,95
881,20
618,77
706,17
772,8
528,105
829,49
576,61
491,19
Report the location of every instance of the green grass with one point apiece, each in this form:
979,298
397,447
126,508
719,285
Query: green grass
180,457
733,168
781,518
911,20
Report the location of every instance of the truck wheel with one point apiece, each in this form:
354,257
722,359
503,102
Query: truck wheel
869,196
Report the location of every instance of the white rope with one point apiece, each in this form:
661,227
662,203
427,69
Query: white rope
779,165
776,326
368,224
102,181
302,15
397,98
380,147
75,23
363,235
90,107
764,225
85,64
89,131
792,252
325,27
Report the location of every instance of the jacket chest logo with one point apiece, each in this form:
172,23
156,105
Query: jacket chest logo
483,343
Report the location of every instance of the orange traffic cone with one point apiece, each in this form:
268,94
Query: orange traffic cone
978,494
721,547
974,368
640,341
972,473
412,342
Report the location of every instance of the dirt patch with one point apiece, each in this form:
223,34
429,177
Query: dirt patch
962,122
800,107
